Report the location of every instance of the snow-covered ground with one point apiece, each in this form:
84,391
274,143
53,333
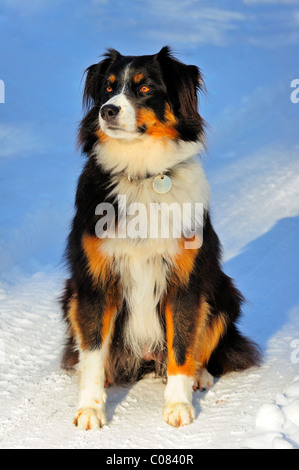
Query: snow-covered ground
248,53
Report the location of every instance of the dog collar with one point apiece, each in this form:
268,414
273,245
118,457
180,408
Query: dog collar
162,183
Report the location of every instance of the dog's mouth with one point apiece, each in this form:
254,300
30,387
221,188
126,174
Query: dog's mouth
118,131
115,128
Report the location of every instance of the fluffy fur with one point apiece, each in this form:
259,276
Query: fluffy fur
141,304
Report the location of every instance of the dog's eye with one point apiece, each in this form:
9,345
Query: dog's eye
109,89
144,89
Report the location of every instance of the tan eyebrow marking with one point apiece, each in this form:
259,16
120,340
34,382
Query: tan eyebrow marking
111,78
138,77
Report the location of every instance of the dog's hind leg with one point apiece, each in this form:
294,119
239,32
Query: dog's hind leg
203,380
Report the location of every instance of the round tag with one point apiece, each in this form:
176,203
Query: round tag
162,184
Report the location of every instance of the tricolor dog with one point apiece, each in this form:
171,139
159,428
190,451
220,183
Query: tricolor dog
137,300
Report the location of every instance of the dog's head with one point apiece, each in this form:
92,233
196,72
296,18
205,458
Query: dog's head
130,98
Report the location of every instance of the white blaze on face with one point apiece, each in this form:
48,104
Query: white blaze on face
124,126
125,122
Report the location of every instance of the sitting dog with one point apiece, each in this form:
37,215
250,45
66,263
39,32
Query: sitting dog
136,300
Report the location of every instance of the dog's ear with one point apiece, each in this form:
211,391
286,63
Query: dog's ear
95,75
183,83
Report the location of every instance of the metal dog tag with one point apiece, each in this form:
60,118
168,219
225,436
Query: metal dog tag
162,184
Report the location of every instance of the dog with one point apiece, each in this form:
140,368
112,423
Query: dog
140,304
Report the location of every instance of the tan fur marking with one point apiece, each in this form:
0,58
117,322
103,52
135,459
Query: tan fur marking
138,77
102,136
189,367
183,264
99,264
107,320
205,340
156,128
210,338
73,319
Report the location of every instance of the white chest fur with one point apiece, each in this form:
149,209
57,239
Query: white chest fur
143,263
143,281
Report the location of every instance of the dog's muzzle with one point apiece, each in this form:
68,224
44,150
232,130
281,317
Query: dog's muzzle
117,118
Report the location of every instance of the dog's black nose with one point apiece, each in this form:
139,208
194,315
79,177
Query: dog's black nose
109,112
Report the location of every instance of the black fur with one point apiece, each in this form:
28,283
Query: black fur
178,85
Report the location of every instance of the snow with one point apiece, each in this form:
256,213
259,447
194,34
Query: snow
252,165
277,424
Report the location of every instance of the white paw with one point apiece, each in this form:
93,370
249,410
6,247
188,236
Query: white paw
178,414
203,380
90,418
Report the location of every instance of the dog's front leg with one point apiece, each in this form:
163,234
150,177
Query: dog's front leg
178,409
92,322
92,395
